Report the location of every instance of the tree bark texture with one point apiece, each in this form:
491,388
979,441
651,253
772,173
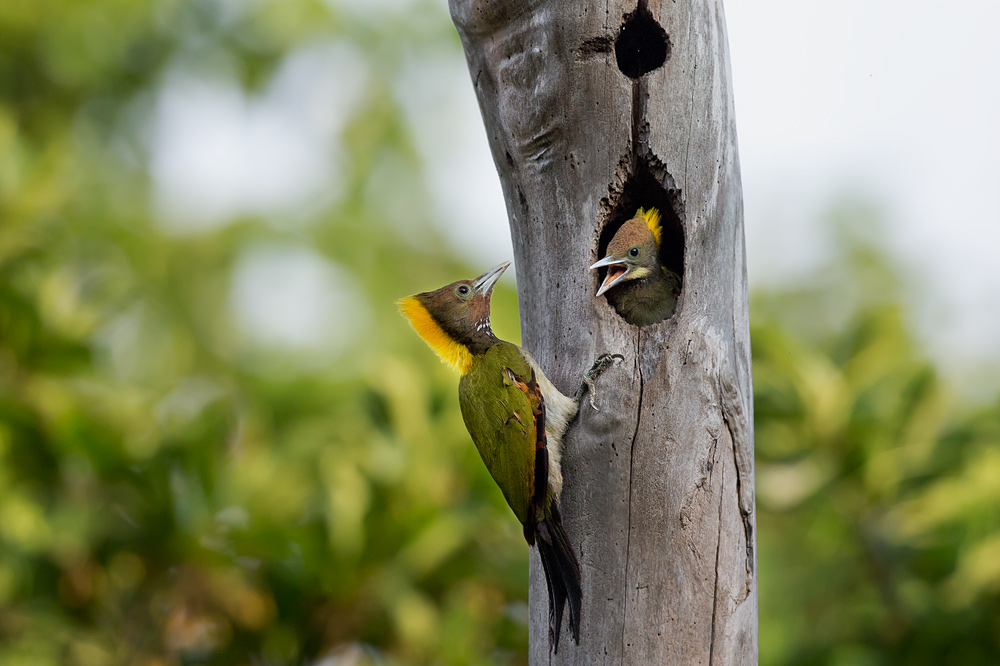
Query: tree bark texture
592,110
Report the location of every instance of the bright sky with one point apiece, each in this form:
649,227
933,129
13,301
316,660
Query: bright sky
898,101
891,100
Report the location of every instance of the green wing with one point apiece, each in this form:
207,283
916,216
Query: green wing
505,413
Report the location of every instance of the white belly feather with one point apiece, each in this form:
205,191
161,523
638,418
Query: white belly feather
559,411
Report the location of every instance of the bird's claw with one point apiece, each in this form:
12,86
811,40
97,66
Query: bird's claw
592,390
600,365
604,360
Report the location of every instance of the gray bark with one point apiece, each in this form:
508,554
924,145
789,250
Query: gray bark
658,495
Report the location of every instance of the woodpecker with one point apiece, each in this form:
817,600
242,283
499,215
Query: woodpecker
641,289
517,420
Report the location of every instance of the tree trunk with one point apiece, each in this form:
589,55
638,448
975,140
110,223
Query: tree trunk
593,111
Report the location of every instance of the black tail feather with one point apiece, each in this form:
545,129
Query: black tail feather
557,592
562,575
557,598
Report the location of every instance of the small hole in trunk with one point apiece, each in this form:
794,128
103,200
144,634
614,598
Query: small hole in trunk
642,44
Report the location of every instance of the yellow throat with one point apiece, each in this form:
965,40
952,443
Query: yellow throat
452,353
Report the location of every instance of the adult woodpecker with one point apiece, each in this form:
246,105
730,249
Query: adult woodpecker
641,289
517,419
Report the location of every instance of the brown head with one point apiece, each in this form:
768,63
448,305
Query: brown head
455,319
634,252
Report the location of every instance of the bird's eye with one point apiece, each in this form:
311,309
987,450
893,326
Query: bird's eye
633,252
463,290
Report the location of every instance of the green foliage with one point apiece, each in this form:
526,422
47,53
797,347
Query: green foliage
173,492
169,491
877,496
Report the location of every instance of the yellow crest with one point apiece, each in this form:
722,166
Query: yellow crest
450,352
651,217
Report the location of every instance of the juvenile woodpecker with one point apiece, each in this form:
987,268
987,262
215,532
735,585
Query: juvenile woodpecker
517,419
641,289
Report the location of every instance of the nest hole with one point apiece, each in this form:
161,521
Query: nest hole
642,44
649,186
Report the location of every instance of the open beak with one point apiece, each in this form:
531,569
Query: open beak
617,270
484,283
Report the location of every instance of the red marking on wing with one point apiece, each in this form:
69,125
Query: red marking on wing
541,476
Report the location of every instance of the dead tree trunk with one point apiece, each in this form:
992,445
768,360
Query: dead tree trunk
593,111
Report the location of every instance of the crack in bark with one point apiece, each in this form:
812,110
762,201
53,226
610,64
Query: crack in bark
718,551
715,594
733,415
687,149
747,516
637,111
631,461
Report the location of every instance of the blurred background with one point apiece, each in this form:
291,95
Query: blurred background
220,445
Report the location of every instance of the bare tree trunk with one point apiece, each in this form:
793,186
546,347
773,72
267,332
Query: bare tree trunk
592,111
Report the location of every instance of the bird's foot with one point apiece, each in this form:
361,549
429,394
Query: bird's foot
600,365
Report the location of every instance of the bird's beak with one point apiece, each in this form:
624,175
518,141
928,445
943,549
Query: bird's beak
617,270
484,283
